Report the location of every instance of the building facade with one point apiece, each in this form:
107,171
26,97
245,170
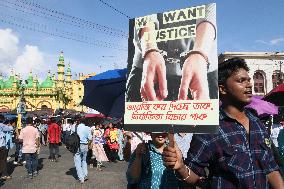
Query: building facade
61,92
266,69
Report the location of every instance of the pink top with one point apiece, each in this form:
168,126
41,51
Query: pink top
29,134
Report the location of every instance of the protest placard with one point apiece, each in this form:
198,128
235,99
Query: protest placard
173,71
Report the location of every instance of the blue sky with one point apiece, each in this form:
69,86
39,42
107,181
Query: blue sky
255,25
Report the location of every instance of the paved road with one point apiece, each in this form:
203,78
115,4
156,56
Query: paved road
62,175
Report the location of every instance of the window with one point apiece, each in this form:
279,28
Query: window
258,80
276,78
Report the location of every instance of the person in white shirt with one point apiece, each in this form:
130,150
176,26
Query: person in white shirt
275,129
66,128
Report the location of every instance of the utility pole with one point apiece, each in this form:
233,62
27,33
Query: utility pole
281,75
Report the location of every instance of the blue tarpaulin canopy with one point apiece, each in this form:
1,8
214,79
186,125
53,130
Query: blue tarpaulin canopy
105,92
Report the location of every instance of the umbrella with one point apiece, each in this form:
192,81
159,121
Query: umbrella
47,111
93,119
94,116
262,107
105,92
276,95
4,110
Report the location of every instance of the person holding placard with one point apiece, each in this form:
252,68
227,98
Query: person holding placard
146,169
239,155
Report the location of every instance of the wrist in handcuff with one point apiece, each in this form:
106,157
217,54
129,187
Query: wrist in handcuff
185,55
146,52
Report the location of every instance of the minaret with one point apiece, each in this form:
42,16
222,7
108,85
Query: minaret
30,79
54,81
30,74
60,71
35,82
68,76
80,76
13,78
53,77
49,75
12,72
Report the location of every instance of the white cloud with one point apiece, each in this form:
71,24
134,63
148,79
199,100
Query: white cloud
8,49
23,60
277,41
31,59
272,42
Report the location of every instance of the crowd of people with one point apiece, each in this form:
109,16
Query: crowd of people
100,141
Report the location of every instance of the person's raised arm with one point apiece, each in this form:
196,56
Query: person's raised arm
172,158
127,147
194,72
197,60
275,180
135,168
154,69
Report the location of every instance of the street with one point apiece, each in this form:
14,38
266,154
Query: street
62,174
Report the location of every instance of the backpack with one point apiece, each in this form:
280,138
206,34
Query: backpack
73,142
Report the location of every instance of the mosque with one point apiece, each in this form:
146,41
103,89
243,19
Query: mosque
53,93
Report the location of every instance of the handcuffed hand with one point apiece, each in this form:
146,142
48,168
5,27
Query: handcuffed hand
194,77
154,72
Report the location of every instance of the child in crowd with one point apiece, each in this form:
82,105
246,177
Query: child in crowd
97,146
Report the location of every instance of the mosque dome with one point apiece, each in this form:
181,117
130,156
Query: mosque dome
30,81
48,82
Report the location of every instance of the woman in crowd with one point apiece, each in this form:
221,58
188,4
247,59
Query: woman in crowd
18,152
121,143
112,146
97,146
4,129
66,128
10,137
146,169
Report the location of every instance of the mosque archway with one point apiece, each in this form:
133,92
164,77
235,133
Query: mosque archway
43,105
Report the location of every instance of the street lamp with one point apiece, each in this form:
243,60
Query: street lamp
21,109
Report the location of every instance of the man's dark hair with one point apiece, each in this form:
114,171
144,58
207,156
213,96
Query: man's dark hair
59,122
11,121
37,120
85,121
53,120
29,120
228,67
70,121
